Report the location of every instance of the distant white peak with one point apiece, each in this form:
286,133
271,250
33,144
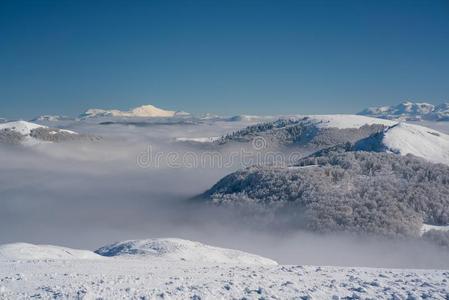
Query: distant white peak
50,118
22,127
181,250
416,108
25,251
141,111
151,111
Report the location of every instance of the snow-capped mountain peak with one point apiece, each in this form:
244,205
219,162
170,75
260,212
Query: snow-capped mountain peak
415,108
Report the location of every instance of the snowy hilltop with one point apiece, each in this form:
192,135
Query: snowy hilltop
141,111
410,111
172,249
27,133
406,139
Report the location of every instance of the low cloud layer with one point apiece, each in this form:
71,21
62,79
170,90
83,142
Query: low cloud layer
85,195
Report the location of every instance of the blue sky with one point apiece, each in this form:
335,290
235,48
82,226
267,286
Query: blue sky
259,57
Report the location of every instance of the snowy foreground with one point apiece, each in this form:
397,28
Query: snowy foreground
179,269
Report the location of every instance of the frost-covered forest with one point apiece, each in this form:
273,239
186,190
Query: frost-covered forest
362,192
302,132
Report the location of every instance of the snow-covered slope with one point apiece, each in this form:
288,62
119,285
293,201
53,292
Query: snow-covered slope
141,111
419,141
406,139
51,272
410,111
25,251
172,249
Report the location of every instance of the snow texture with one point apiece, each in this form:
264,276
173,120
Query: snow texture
133,279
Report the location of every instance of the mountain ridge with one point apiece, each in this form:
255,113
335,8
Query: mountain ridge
410,111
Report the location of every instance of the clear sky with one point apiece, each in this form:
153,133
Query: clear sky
229,56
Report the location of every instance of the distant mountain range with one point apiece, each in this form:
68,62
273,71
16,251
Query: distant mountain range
405,111
141,111
146,111
410,111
